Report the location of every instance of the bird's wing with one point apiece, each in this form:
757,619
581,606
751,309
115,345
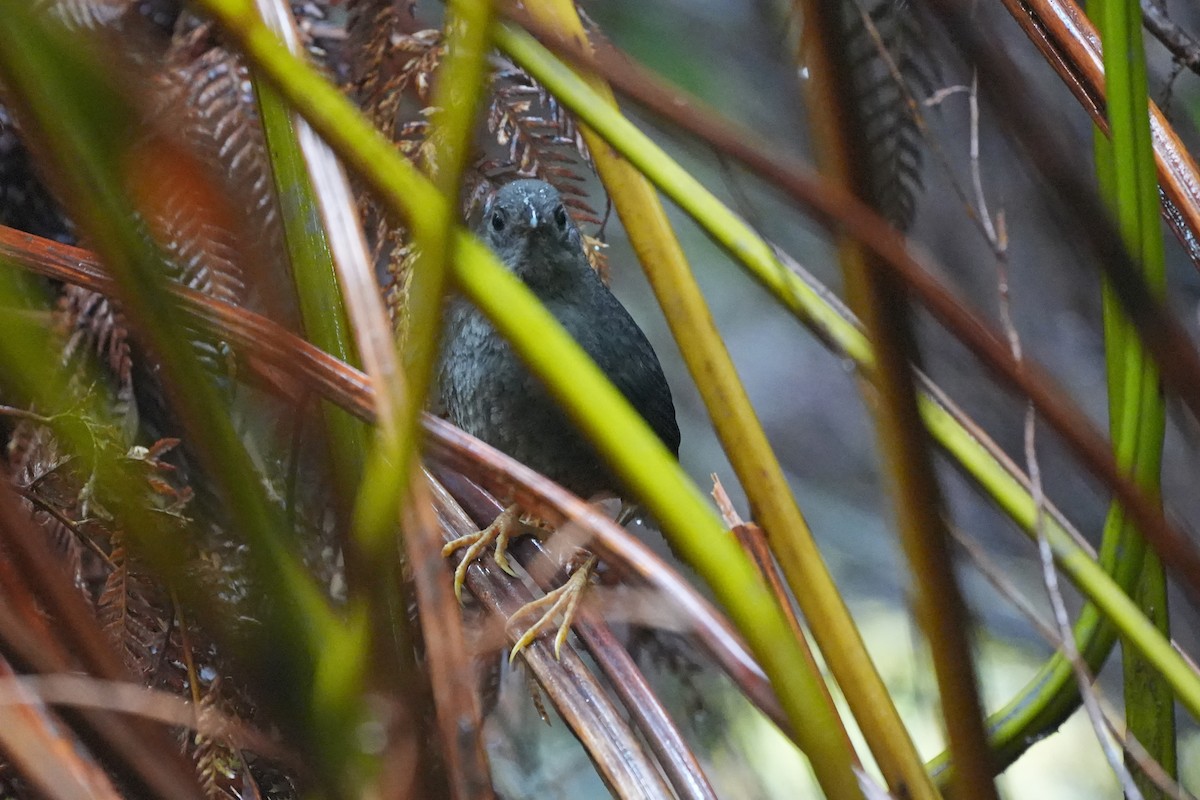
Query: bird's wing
625,355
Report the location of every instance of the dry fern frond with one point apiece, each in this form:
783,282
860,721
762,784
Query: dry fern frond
138,27
91,328
86,14
400,262
205,90
134,624
391,78
540,139
891,134
38,466
406,65
95,328
216,764
314,28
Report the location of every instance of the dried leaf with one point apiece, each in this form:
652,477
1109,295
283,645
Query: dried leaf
134,624
891,134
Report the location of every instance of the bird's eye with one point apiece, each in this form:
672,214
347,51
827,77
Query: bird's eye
498,221
560,217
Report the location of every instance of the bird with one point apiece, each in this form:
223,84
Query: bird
486,390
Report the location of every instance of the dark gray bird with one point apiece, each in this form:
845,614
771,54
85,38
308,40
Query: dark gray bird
487,391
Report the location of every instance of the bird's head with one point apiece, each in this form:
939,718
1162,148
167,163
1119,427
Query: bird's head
528,227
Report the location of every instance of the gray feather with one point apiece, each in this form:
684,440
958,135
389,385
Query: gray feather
485,388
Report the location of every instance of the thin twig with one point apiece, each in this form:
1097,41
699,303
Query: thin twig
1182,45
1033,469
754,542
21,413
977,215
985,216
998,578
1063,621
75,527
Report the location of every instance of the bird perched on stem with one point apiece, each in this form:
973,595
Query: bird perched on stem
488,392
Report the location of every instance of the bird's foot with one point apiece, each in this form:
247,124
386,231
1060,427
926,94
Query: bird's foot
564,599
501,529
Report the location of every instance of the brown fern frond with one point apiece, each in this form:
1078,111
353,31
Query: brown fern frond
318,34
390,62
892,135
205,88
216,764
139,27
58,487
391,79
413,139
207,95
131,609
95,328
38,466
87,14
400,272
540,139
134,625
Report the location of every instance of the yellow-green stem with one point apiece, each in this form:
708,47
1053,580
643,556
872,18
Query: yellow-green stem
1126,169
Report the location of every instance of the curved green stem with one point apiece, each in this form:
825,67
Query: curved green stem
1128,179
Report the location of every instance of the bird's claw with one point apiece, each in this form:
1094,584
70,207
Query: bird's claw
475,543
565,599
